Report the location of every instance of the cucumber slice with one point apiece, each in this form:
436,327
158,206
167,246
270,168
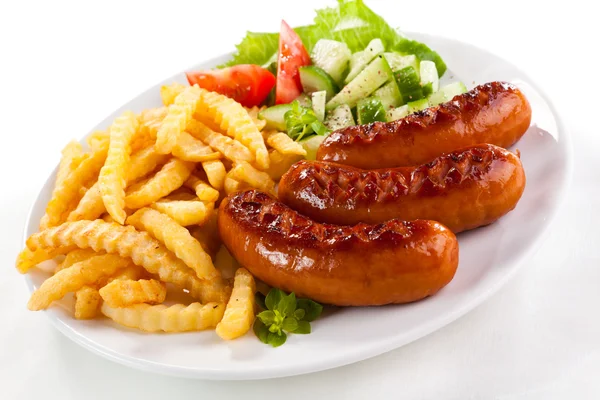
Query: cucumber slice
370,110
333,57
318,104
418,105
397,113
311,145
389,94
304,100
275,116
429,77
369,80
314,79
339,118
409,84
360,59
447,92
398,61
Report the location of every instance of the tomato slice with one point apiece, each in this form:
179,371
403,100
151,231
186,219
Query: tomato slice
292,55
247,84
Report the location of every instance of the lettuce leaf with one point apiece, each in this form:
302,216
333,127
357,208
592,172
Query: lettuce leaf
351,22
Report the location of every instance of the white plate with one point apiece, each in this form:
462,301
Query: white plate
488,257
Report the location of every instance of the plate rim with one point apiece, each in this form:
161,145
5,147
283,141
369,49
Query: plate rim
373,349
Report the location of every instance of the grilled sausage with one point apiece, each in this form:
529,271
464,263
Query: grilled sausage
361,265
496,113
463,190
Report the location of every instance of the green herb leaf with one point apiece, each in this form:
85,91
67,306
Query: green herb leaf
261,331
275,339
273,298
290,324
302,121
299,313
303,328
311,308
267,317
259,298
287,305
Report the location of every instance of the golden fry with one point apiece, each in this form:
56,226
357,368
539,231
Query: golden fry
28,259
233,185
170,177
203,190
285,144
67,192
253,113
280,163
185,213
98,140
215,171
150,115
230,148
177,318
257,179
239,313
131,272
75,256
234,119
112,180
177,239
168,93
188,148
87,303
143,250
178,116
74,278
124,293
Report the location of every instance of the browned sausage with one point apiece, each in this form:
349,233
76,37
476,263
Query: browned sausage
496,113
463,190
362,265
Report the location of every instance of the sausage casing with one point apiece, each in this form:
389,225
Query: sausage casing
361,265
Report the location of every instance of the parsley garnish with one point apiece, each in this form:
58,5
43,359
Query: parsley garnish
301,121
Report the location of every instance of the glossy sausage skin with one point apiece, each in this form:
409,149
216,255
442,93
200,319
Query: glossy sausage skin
362,265
463,190
496,113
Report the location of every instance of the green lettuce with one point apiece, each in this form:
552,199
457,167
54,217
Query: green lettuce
351,22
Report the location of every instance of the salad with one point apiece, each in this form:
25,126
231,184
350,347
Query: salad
349,67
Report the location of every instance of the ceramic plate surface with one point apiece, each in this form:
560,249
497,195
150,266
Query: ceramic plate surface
488,258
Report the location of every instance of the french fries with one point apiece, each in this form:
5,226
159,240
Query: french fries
239,313
171,176
189,148
112,175
177,239
135,216
74,278
185,212
129,243
234,119
177,318
124,293
215,171
178,116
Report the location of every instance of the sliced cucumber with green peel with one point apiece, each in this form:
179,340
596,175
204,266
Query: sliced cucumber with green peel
446,93
429,77
311,145
318,104
417,105
398,61
340,117
397,113
409,84
304,100
315,79
333,57
369,80
370,110
389,94
275,116
360,59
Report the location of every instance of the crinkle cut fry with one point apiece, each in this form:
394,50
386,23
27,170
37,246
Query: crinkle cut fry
144,250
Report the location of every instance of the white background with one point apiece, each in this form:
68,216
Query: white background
65,66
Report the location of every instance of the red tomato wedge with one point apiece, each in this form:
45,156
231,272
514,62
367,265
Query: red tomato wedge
292,55
247,84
